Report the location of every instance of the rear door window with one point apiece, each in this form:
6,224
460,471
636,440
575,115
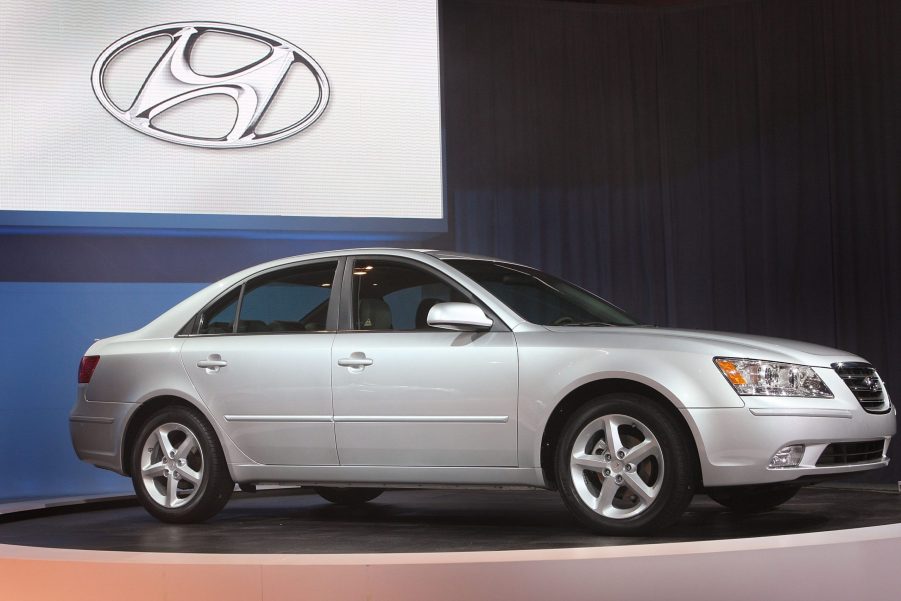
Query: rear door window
219,318
288,300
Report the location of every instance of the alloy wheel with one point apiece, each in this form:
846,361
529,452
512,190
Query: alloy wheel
617,467
172,465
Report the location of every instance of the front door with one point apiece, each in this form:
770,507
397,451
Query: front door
406,394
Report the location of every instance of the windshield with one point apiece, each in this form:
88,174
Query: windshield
541,298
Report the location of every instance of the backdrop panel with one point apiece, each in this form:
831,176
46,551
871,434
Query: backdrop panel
732,165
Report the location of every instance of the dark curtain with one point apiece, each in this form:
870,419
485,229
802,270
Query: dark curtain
732,165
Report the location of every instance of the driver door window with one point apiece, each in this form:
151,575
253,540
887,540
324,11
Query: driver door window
393,296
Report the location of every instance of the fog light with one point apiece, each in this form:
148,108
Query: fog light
789,456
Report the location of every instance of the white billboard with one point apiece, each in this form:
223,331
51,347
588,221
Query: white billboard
298,108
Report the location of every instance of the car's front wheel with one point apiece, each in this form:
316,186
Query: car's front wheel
178,469
623,466
752,499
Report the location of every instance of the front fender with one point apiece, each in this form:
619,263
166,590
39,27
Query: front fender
549,373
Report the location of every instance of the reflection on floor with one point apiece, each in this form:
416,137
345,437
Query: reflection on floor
425,521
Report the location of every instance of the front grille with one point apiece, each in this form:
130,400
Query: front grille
864,382
843,453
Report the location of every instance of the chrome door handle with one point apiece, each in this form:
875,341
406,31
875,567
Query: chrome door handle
212,363
355,362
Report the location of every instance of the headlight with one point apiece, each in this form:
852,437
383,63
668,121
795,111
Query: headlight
753,377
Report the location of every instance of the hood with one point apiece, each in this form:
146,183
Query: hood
726,344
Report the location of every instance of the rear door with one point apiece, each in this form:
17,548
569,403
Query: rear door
260,358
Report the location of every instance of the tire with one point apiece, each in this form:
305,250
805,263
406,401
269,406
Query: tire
752,499
180,489
610,494
348,496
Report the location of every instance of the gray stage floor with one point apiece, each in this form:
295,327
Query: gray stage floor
424,521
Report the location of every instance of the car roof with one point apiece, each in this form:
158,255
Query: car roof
451,254
438,254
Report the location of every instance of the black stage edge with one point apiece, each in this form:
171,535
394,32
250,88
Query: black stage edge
424,521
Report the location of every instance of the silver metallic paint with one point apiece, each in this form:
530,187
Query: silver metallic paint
378,408
467,375
273,375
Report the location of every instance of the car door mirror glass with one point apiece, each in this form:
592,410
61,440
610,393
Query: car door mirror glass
459,317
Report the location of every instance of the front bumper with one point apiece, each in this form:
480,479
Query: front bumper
736,444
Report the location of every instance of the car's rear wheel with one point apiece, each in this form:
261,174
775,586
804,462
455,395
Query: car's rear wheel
348,496
623,466
178,469
752,499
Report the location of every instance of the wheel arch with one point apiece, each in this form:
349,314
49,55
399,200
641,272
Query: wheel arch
587,391
140,415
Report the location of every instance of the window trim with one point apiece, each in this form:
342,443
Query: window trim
345,323
189,330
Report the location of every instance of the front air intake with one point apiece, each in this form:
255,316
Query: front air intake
866,385
848,453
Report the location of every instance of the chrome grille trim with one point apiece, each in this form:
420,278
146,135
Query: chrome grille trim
865,384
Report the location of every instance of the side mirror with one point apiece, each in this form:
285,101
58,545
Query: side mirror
459,317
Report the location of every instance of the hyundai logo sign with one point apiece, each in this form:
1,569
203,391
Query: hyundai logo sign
172,81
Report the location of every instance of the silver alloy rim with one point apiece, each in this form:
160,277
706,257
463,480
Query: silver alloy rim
172,465
616,466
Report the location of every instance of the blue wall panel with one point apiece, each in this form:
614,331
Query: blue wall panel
46,329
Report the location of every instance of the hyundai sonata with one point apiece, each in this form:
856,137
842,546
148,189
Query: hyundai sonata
355,371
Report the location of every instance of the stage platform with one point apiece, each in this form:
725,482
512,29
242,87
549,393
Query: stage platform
827,543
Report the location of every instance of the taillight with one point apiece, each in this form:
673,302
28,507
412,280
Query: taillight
87,367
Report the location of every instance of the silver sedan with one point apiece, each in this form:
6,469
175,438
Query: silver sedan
355,371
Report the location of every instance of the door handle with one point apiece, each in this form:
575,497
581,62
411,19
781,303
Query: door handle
212,363
359,360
